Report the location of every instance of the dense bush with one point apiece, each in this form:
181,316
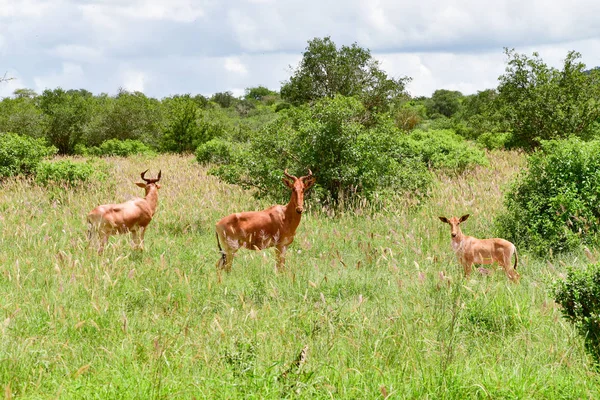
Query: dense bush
554,205
494,140
348,158
579,296
217,151
116,147
186,126
21,154
68,172
440,149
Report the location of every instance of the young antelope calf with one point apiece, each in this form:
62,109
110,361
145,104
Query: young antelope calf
257,230
132,216
470,250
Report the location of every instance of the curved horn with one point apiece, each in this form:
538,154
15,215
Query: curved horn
310,174
148,180
288,175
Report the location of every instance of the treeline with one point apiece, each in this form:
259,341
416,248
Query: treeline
339,114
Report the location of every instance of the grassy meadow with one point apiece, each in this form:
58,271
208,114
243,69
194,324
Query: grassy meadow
376,299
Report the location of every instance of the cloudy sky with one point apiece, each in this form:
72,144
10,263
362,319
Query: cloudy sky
165,47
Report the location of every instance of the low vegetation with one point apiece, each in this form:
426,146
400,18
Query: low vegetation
376,296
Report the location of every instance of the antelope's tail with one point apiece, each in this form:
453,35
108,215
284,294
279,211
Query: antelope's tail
516,259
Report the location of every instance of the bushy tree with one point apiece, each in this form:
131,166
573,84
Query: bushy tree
258,93
539,102
326,71
128,115
66,114
186,127
224,99
553,206
349,158
21,114
444,102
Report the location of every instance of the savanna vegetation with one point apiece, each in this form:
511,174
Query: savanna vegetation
372,302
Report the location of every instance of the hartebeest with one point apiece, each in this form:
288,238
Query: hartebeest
132,216
470,250
257,230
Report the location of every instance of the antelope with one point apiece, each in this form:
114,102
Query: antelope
470,250
132,216
257,230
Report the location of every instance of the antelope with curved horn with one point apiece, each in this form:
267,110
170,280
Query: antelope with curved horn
470,250
132,216
257,230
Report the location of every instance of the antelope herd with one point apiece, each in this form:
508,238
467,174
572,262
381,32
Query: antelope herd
274,227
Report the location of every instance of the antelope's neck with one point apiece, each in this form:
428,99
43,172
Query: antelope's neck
152,199
457,241
292,218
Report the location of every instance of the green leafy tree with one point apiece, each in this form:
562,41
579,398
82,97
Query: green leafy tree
540,102
224,99
258,93
444,102
66,114
349,158
128,115
326,71
21,114
186,126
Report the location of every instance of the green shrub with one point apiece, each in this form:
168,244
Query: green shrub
440,149
186,126
579,296
553,206
348,158
116,147
494,140
21,154
216,151
67,172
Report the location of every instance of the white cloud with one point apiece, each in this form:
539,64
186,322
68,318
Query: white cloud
181,46
171,10
133,80
77,53
71,76
235,65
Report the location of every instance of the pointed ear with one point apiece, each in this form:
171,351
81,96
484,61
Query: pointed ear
444,219
464,218
157,185
288,183
140,184
309,182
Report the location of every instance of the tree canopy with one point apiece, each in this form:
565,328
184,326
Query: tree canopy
326,71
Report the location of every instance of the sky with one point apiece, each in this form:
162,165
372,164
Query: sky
167,47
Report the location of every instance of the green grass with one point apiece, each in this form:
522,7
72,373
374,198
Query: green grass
378,299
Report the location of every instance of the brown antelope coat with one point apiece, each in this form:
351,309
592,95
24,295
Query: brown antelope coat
257,230
132,216
470,250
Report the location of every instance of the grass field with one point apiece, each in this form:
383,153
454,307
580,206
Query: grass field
377,300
